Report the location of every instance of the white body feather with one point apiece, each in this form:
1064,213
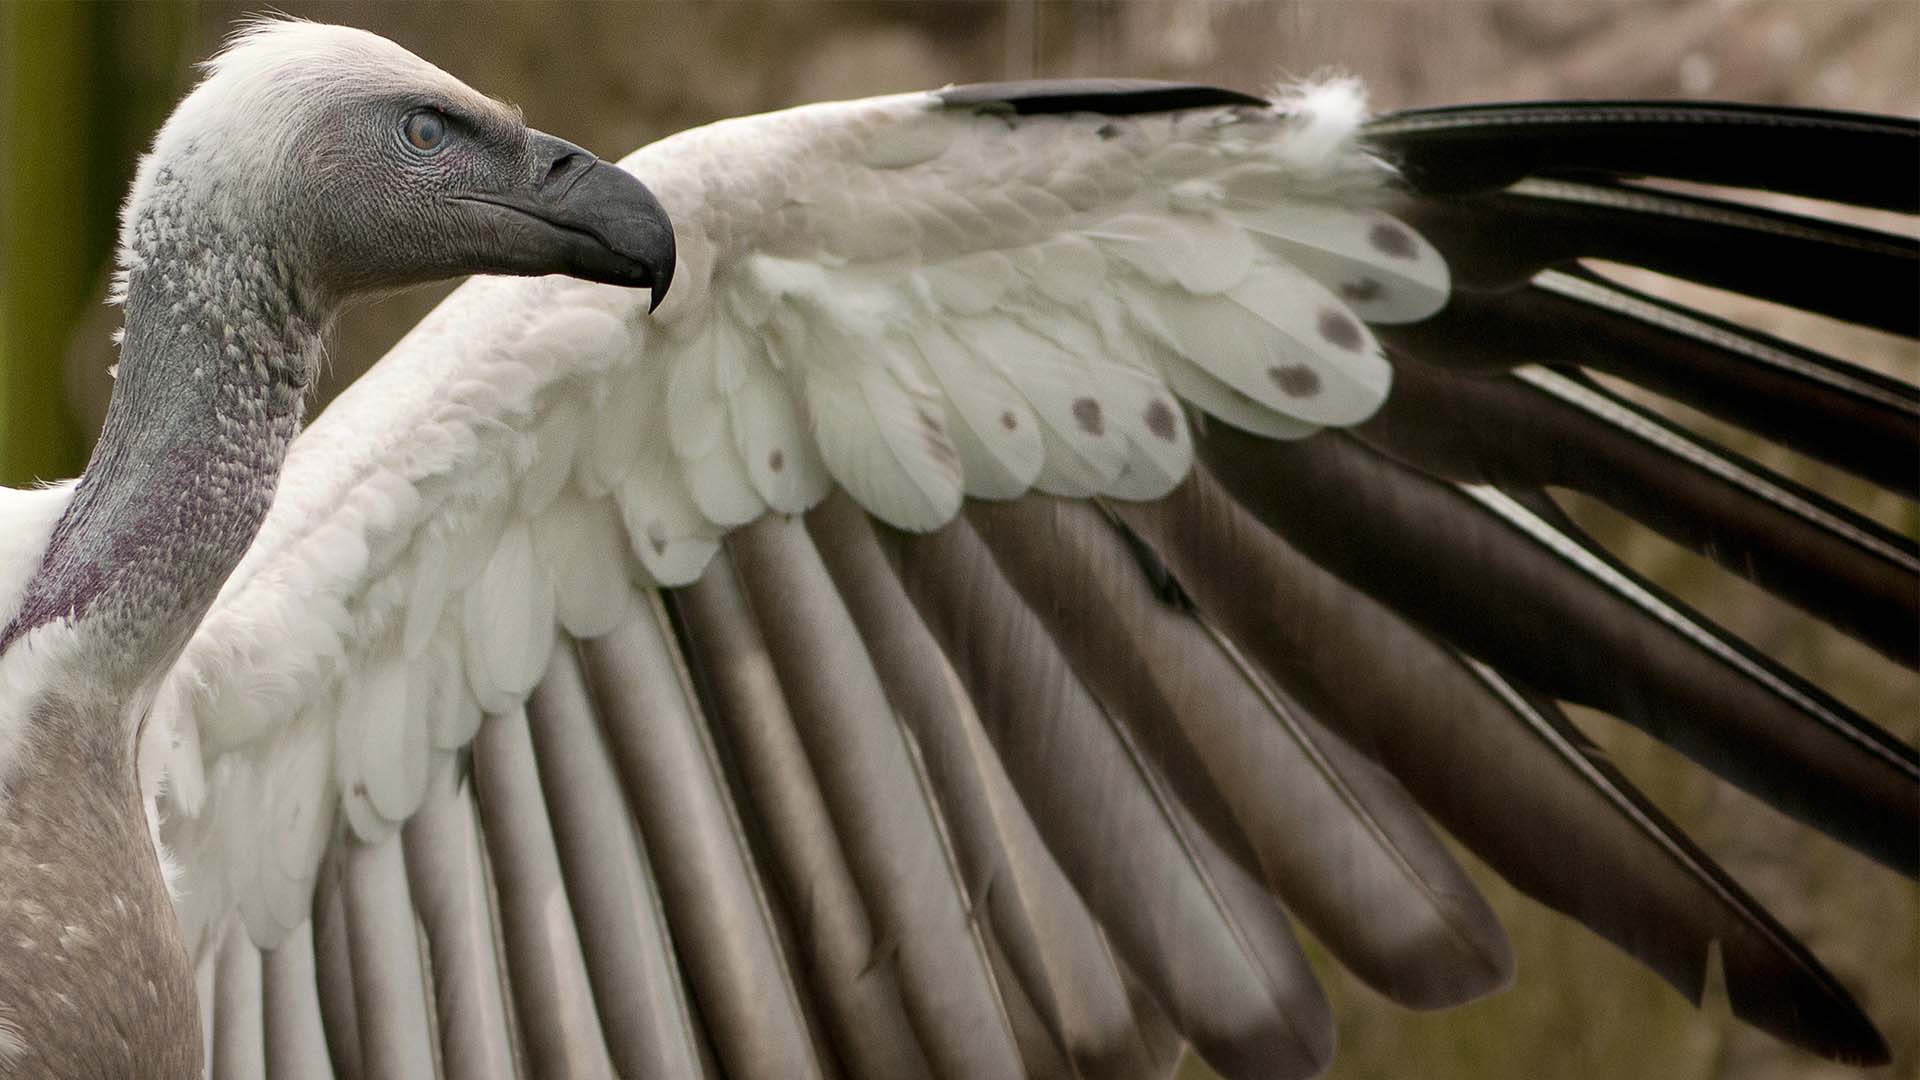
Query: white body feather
27,518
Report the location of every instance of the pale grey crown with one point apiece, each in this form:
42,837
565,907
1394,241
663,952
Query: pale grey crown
304,144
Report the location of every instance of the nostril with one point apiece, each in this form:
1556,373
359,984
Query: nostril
567,168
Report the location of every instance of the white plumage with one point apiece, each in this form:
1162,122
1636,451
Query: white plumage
909,301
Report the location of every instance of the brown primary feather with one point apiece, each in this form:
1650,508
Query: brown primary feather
892,826
1039,926
333,974
1211,945
543,945
745,983
851,969
1508,431
1503,773
1839,413
1497,241
1571,635
395,1035
1369,878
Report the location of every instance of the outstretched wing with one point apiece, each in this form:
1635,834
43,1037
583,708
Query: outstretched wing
1013,756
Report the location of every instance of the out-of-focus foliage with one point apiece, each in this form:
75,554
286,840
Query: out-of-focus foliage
42,263
81,88
615,75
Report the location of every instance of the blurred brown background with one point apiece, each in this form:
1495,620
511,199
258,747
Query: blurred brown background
86,84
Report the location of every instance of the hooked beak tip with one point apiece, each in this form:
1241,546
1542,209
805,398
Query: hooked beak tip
579,218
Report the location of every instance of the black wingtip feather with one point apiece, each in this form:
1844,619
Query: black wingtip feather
1499,240
1770,977
1553,428
1482,147
1502,769
1836,411
1571,630
1112,97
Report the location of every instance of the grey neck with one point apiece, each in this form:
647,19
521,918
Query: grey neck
213,372
214,368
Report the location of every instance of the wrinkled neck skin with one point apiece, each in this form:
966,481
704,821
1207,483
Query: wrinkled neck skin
214,366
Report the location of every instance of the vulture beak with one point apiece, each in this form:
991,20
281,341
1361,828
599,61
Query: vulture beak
583,217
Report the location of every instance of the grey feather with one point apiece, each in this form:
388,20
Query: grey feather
715,902
1570,620
647,1019
1041,1056
1213,948
389,988
1040,928
891,825
333,971
1334,834
1456,148
851,966
1542,428
1499,240
239,1029
453,894
1819,405
296,1042
551,995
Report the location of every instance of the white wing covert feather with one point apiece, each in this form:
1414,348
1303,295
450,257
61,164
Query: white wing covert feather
913,301
27,520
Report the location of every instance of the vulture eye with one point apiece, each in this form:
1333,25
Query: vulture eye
426,130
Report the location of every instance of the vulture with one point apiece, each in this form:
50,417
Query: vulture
1054,546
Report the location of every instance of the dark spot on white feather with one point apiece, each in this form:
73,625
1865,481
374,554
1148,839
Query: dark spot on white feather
1108,131
1362,290
1008,420
1159,417
936,435
1390,239
1295,380
657,538
1339,329
776,461
1086,413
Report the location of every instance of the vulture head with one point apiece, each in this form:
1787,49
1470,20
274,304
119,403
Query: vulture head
339,164
312,165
